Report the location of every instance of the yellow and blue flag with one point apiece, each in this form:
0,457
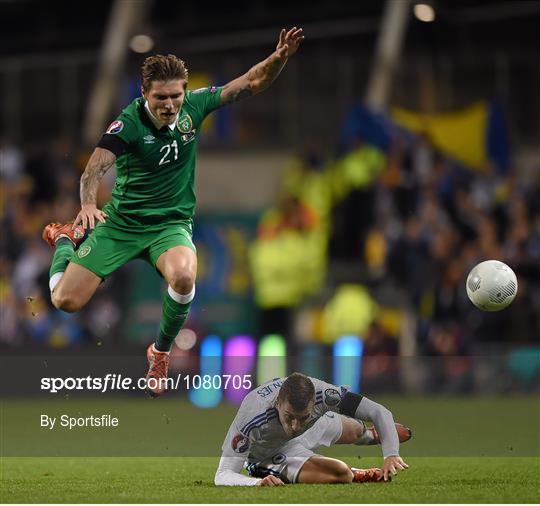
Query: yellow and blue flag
474,136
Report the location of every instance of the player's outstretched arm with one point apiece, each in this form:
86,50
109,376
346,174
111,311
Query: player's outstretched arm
235,451
362,408
228,473
261,76
99,163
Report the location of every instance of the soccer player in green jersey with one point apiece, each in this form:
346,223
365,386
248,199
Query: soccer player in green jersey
153,144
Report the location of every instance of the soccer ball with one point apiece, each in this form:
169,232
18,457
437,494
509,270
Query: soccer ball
491,285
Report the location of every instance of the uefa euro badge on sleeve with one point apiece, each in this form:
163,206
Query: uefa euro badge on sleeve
240,443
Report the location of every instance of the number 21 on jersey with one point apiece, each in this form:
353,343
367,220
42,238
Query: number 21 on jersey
167,148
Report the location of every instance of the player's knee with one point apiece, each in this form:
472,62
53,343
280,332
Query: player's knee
64,301
182,282
341,473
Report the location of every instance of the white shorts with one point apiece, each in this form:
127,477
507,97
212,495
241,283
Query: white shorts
287,460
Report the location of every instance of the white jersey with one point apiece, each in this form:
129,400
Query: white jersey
256,432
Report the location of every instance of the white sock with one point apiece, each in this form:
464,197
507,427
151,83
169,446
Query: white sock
55,279
178,297
158,351
367,436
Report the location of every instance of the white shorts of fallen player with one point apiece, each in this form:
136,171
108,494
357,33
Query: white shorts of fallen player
287,460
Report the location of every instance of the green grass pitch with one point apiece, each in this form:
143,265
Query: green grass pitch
468,450
188,479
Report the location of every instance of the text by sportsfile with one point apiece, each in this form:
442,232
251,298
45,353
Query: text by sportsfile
114,382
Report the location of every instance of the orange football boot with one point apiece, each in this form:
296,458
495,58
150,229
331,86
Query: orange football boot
54,231
404,434
158,369
366,475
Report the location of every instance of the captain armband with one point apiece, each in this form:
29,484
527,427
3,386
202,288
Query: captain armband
113,143
349,404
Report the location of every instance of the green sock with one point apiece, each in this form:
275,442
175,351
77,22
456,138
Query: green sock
62,253
172,319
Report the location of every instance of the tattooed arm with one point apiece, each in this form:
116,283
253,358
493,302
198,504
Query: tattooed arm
100,162
262,75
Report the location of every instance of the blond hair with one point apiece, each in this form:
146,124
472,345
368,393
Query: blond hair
162,68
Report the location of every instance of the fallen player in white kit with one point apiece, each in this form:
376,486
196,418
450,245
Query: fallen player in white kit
280,423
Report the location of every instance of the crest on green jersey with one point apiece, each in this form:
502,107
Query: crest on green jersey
84,251
185,123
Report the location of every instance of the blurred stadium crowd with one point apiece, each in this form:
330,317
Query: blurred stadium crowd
355,244
39,185
408,227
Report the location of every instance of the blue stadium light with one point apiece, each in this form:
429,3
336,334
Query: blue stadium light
311,361
210,365
239,362
272,361
348,351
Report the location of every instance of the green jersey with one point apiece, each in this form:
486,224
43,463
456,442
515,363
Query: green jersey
155,170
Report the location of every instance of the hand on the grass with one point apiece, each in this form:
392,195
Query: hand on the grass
289,42
392,465
88,215
270,481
